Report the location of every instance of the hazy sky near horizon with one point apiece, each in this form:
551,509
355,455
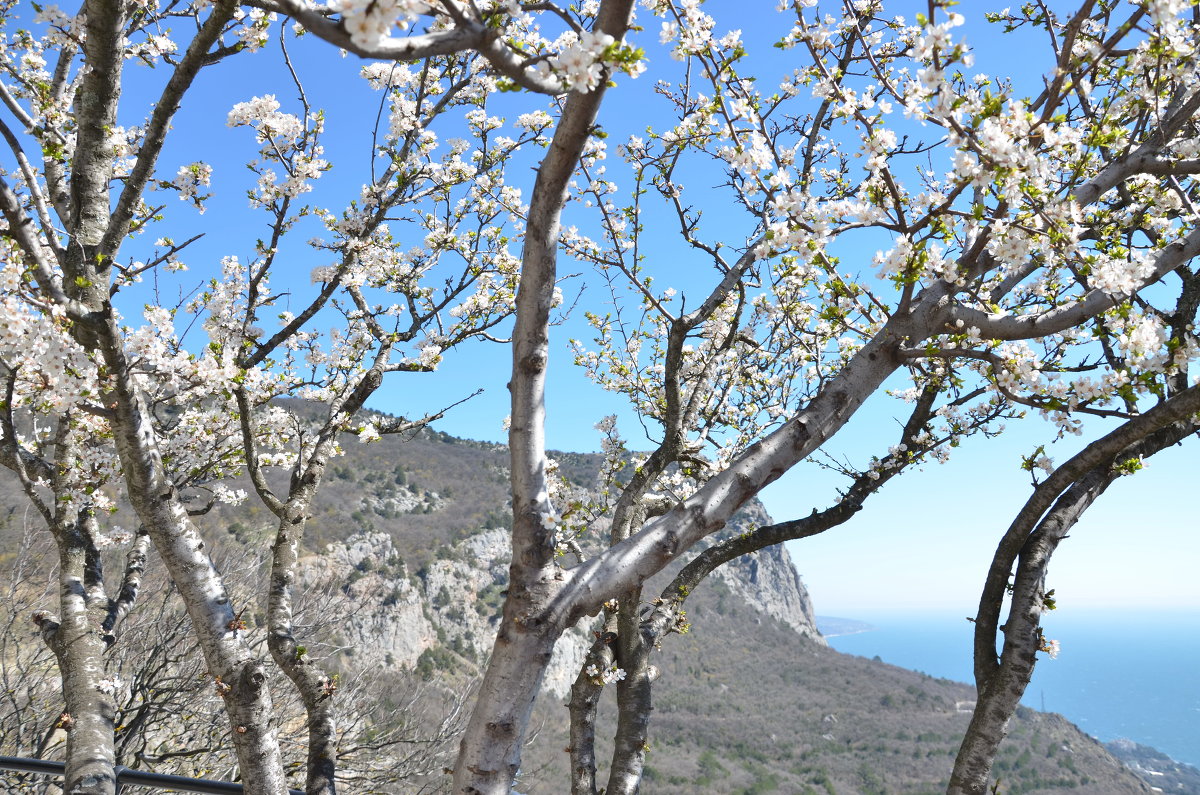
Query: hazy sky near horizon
924,542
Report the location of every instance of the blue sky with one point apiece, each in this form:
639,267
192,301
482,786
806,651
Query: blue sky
924,542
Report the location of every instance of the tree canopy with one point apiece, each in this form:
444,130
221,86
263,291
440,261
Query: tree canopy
815,211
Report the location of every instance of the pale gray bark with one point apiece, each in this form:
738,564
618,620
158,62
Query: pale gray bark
199,54
585,698
662,540
81,632
668,615
631,561
135,567
95,115
238,674
634,699
315,686
78,648
89,719
95,232
1022,558
490,752
543,600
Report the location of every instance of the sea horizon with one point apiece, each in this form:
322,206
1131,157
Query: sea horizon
1121,673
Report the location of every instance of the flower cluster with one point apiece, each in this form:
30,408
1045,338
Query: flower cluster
606,676
579,65
371,21
288,141
190,180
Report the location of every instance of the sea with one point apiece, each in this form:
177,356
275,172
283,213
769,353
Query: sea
1120,673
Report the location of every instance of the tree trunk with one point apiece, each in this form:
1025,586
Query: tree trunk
238,675
633,701
490,753
544,600
315,687
585,696
491,748
1001,683
89,719
999,696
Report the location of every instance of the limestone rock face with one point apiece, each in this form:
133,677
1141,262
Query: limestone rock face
452,606
768,580
388,624
453,603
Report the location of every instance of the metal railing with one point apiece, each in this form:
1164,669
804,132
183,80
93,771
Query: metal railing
127,777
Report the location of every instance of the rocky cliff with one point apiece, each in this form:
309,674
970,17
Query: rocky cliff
447,611
767,580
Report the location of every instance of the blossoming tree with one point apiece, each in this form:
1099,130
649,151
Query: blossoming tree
86,381
725,390
392,318
898,221
1008,266
91,401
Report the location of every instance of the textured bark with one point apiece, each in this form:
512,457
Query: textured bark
89,715
312,683
95,116
635,703
998,700
664,539
89,718
315,686
80,638
196,56
135,567
585,697
633,700
1001,682
543,600
490,752
238,674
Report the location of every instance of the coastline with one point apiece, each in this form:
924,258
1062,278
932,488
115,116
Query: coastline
1089,683
848,633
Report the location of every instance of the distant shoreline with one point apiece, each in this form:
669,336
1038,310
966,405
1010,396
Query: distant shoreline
847,633
835,627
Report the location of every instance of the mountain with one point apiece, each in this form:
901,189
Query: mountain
412,533
751,700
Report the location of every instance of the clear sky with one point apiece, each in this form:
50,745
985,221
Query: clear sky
924,542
